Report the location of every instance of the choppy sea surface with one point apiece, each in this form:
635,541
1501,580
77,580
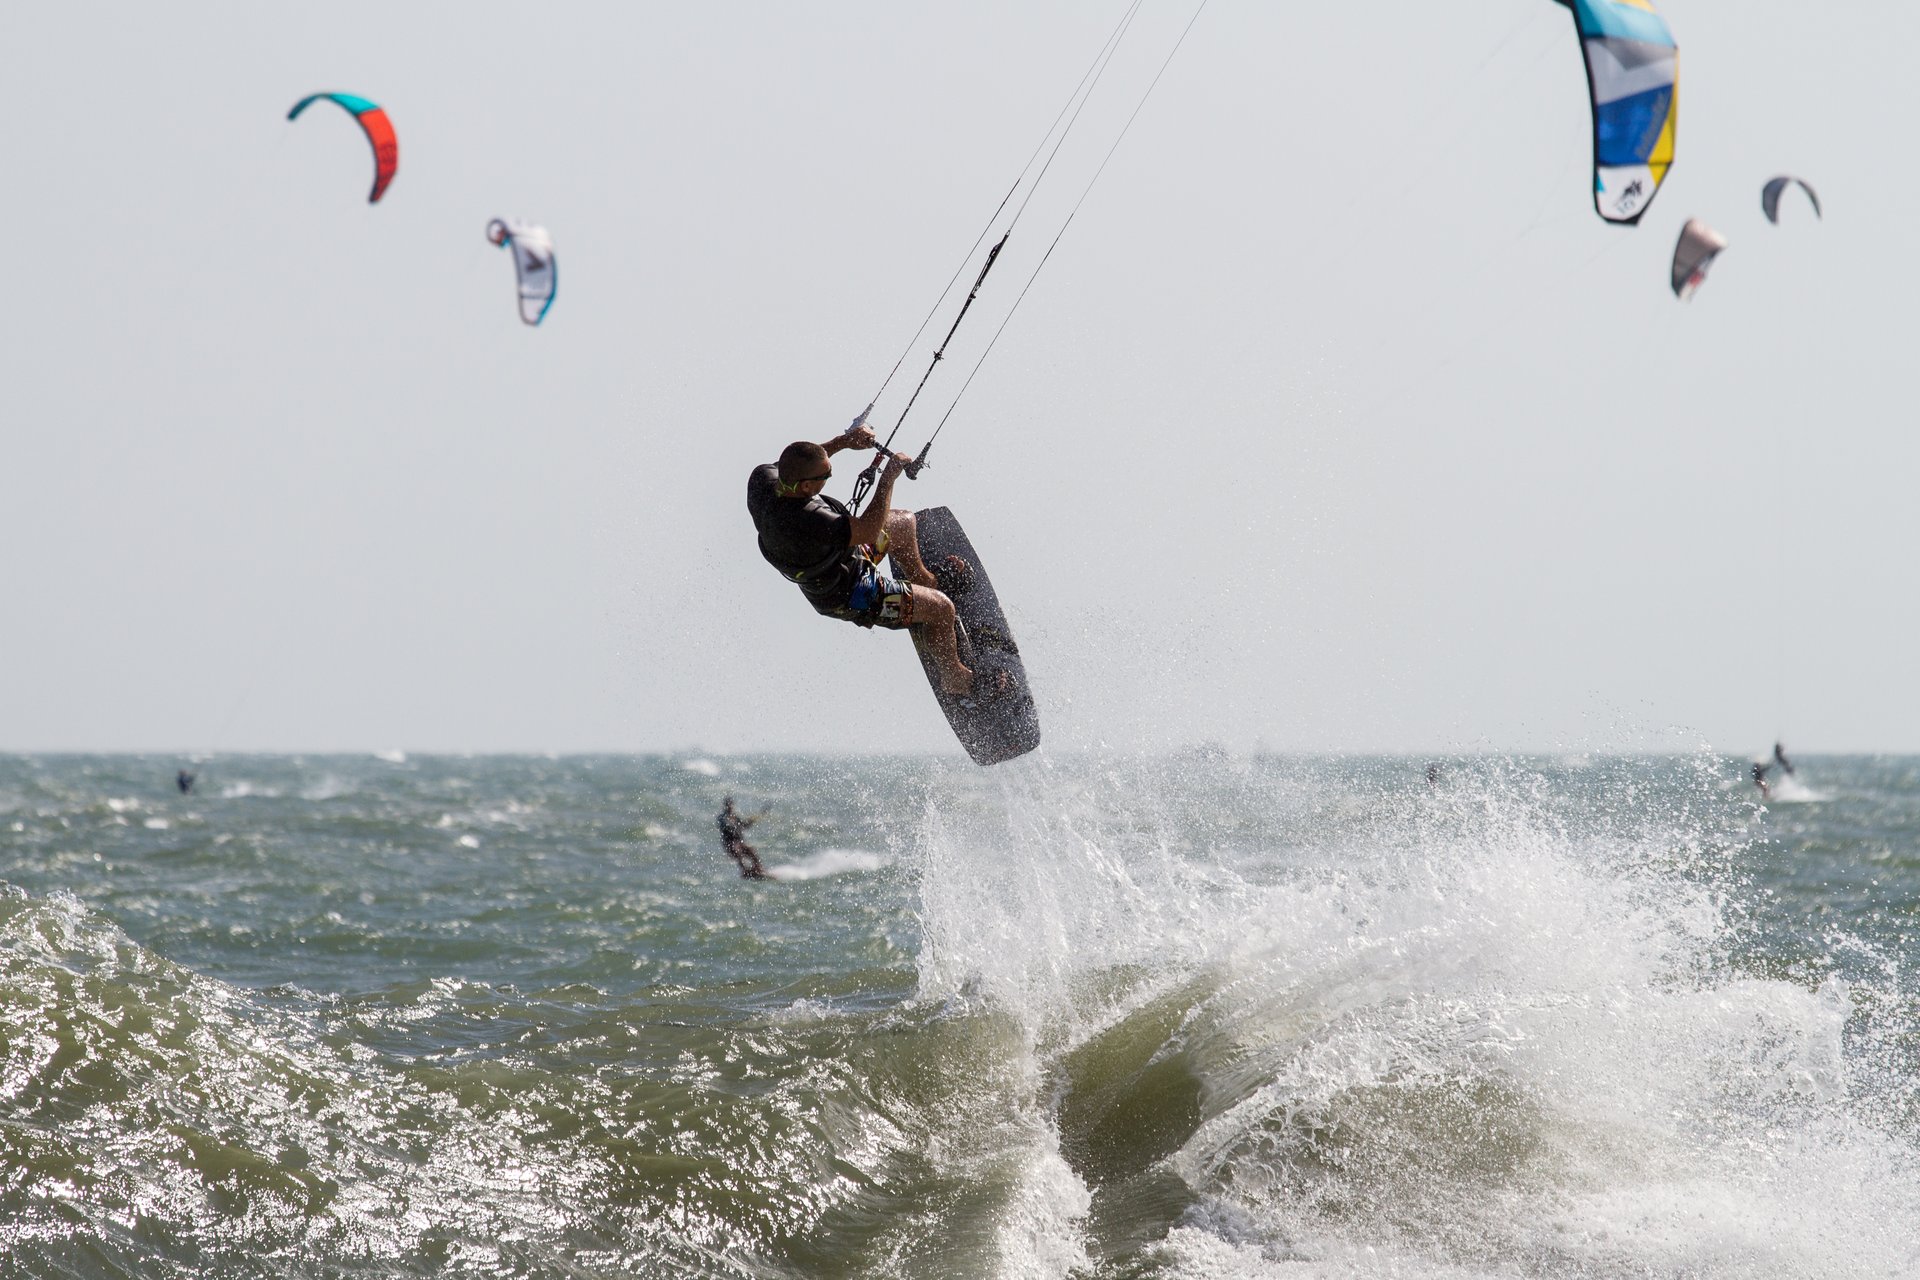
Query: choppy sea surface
1191,1016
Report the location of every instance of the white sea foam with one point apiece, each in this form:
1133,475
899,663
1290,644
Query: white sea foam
828,862
802,1011
1039,1230
1476,1033
705,768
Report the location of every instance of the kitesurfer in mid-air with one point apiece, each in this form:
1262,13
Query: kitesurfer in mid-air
834,555
733,834
1780,757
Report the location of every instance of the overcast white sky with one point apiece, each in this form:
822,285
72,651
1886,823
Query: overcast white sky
1337,422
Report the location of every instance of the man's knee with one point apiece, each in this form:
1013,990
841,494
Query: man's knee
932,606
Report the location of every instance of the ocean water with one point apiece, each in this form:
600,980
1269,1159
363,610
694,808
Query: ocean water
1191,1016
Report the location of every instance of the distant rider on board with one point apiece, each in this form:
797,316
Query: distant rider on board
733,836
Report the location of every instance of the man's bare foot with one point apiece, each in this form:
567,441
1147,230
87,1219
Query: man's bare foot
997,685
957,684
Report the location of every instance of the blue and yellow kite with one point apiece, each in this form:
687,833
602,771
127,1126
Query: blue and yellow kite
1633,70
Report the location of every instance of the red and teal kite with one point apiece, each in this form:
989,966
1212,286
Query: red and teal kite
379,131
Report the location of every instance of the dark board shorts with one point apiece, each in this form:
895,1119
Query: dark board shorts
876,600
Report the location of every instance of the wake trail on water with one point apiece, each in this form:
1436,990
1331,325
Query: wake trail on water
828,862
1787,789
1277,1020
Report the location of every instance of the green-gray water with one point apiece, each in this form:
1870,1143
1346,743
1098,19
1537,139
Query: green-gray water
1197,1016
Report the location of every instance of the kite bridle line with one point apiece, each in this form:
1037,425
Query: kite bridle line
1070,113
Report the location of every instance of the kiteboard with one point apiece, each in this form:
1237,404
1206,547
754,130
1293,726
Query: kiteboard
991,729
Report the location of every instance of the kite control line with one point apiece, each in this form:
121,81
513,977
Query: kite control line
865,482
1080,94
1056,133
1090,81
921,460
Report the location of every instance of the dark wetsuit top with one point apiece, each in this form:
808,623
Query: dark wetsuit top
733,825
806,541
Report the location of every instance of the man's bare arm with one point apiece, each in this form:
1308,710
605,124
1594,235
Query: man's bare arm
860,437
866,526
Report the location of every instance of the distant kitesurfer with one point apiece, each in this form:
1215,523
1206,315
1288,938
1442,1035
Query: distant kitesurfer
733,834
184,781
1760,769
1780,757
1433,775
834,555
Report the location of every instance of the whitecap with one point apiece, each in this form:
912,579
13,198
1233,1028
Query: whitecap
803,1010
705,768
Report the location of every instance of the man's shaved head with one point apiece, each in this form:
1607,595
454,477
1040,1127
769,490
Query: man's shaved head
801,460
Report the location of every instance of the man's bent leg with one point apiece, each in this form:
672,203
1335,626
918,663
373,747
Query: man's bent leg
903,544
933,614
